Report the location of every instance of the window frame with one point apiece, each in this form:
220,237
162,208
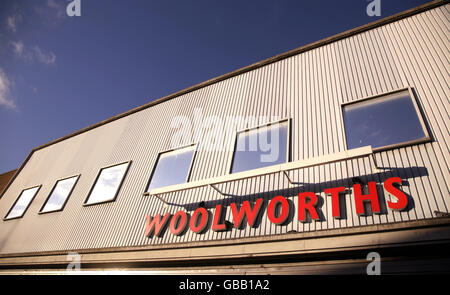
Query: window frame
288,141
85,203
67,198
17,199
188,176
417,108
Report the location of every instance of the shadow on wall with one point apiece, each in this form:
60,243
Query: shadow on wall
318,188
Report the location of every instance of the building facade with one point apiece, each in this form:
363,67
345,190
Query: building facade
351,156
5,178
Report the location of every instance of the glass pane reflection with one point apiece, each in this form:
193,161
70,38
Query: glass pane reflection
22,203
107,184
382,121
261,147
172,167
59,194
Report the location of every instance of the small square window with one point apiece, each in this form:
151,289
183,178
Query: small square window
59,195
22,203
261,146
172,167
384,122
107,184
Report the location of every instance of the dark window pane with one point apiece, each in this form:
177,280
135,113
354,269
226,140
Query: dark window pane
107,184
172,167
59,194
260,147
382,121
23,202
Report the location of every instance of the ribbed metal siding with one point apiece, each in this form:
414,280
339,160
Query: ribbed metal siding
309,89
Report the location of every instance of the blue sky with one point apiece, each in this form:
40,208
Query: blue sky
59,74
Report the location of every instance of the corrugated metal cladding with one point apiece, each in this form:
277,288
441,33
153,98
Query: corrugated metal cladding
308,88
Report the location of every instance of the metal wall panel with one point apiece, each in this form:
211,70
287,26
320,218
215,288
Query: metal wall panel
308,88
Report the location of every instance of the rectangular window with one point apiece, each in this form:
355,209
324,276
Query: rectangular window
22,203
59,195
385,121
261,146
172,167
107,184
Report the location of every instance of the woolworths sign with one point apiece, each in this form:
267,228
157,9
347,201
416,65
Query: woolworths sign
278,210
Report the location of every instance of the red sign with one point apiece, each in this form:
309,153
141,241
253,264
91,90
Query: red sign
278,210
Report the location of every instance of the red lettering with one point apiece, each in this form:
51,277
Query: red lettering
335,199
156,224
372,197
178,223
247,211
310,206
273,206
279,209
195,225
217,214
402,199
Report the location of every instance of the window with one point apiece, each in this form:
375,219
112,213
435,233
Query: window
59,195
107,184
172,167
384,122
22,203
261,146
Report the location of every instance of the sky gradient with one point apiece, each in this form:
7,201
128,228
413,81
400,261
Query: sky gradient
59,74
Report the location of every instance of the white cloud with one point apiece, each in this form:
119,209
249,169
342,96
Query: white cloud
44,57
34,54
18,48
51,11
5,98
12,22
60,10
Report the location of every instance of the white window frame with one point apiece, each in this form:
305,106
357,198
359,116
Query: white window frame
67,198
418,110
118,188
288,142
188,176
17,199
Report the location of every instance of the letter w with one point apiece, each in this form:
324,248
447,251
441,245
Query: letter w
247,211
156,225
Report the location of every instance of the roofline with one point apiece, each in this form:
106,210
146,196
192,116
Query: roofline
13,172
310,46
8,172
